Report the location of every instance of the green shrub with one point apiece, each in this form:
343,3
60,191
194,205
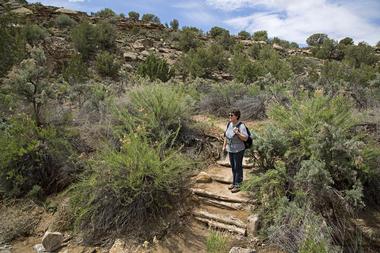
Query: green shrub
148,17
346,41
188,39
32,157
76,70
130,191
316,39
360,54
105,35
34,33
174,24
244,35
133,15
159,109
218,31
244,70
29,82
84,37
105,13
203,61
12,43
216,242
63,21
106,65
155,68
321,169
260,36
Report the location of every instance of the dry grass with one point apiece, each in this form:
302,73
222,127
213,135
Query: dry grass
18,219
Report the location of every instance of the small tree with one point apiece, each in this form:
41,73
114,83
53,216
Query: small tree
346,41
244,35
84,38
76,70
188,39
106,13
174,24
316,39
29,81
133,15
34,33
148,17
218,31
106,64
360,54
63,21
105,35
155,68
260,36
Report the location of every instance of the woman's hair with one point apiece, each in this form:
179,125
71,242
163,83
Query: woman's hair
236,112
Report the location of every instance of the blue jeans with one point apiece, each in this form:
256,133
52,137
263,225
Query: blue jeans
236,161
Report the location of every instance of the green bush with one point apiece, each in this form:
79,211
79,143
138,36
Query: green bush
148,17
76,70
34,33
133,15
107,65
346,41
155,68
33,157
174,24
188,39
218,31
322,168
260,36
316,39
12,43
244,35
105,13
360,54
105,35
84,37
63,21
159,109
29,82
203,61
244,70
130,191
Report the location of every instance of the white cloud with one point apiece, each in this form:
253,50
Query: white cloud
76,1
303,18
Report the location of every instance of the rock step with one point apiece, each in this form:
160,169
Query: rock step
223,195
219,203
226,162
222,226
222,218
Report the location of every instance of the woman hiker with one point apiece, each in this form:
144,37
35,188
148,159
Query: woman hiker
234,138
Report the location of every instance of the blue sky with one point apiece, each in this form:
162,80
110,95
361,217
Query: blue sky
292,20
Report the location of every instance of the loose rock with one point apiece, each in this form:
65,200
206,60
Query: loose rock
52,240
203,177
242,250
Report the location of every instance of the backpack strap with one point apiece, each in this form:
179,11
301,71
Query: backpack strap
228,123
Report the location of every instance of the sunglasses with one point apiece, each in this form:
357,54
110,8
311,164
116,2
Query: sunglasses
231,115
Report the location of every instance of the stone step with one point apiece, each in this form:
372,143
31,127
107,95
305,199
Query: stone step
236,218
219,203
226,162
214,191
222,226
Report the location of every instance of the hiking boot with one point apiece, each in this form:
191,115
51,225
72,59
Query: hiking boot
231,187
235,189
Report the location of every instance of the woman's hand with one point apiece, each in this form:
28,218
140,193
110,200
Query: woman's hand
236,130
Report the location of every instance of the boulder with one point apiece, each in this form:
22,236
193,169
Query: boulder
52,240
241,250
253,224
39,248
142,44
22,11
66,11
203,177
130,56
278,47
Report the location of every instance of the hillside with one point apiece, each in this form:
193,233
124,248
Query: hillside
111,132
